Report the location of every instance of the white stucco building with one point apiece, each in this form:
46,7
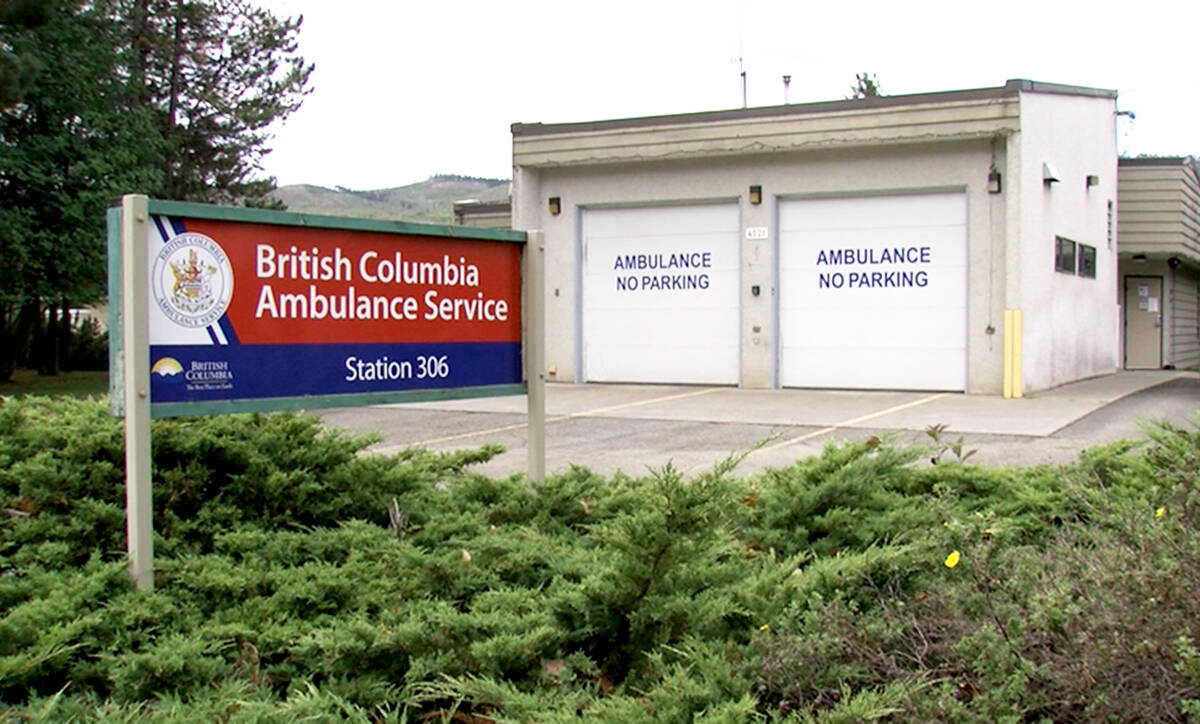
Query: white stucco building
962,240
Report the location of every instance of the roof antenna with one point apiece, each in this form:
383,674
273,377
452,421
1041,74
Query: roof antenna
743,73
741,59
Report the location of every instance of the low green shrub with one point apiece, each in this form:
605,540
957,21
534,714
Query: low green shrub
1086,614
299,577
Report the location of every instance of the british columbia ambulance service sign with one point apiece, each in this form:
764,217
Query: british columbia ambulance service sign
287,310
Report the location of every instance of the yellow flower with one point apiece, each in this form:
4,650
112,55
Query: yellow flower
765,627
1160,512
952,559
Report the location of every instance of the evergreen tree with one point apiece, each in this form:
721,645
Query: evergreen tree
866,85
70,142
216,73
15,67
100,98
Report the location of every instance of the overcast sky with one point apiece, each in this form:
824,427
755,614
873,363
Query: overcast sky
405,89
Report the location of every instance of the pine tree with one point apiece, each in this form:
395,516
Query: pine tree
99,98
866,85
216,73
16,68
69,143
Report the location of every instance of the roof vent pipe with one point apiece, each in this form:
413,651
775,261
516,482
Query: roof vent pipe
787,88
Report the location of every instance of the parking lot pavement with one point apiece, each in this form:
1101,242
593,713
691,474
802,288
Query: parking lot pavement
639,427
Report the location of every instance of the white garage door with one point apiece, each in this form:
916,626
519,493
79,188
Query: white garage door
873,292
660,294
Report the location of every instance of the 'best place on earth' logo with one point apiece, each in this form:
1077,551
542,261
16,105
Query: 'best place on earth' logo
192,280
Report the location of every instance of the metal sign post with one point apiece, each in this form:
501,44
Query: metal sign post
134,303
535,352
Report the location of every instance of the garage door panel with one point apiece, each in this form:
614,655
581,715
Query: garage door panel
665,239
641,223
604,293
885,212
877,292
875,329
938,238
891,369
851,298
824,276
705,362
864,281
621,328
661,289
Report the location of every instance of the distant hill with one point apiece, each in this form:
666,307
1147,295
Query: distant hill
430,201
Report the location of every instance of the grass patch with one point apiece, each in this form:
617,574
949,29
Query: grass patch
70,384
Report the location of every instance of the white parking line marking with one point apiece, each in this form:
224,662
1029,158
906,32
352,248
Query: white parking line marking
451,438
640,403
852,422
389,449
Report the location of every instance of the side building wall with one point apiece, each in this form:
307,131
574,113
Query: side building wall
1160,208
1071,322
1183,303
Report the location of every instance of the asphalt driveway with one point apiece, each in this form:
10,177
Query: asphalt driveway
636,427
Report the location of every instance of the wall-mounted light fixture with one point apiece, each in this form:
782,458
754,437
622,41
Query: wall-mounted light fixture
756,195
1093,181
1174,262
1049,174
1139,257
555,205
993,180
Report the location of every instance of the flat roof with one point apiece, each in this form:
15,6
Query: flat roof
1191,163
481,207
1155,161
1011,88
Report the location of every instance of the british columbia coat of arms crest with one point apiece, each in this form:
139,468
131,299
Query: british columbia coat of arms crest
192,280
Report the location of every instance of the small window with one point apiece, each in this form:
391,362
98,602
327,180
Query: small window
1087,261
1064,255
